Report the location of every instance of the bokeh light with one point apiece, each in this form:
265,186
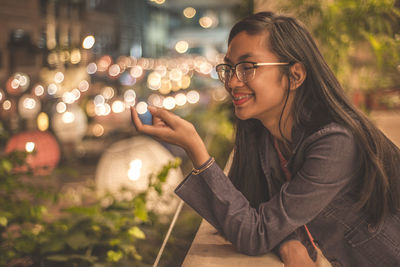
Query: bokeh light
181,46
189,12
88,42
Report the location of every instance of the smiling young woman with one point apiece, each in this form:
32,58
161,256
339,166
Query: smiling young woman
311,177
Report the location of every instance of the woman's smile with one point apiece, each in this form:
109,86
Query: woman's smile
241,98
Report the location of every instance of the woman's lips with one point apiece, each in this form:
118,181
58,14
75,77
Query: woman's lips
239,99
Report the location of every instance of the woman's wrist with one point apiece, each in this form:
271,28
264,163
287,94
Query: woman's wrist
197,153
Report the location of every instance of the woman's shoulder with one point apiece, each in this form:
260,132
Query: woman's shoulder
331,132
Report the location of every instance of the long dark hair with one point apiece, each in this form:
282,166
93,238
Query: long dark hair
319,99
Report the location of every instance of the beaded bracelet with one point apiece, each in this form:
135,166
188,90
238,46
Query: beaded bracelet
204,167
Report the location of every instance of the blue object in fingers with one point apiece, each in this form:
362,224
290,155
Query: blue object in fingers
146,118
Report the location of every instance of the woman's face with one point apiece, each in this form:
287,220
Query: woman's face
262,97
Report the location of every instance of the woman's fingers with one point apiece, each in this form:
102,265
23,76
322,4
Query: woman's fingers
167,117
135,119
158,129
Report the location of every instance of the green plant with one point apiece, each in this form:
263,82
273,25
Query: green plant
40,227
360,39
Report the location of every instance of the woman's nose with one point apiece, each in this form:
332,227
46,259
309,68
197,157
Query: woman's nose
234,81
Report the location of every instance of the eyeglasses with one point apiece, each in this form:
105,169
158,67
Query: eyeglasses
245,70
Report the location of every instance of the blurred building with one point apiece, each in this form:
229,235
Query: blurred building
32,30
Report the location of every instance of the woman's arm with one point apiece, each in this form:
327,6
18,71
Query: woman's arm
330,163
328,168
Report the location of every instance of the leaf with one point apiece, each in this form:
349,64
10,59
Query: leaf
6,165
77,240
140,209
3,221
136,232
114,256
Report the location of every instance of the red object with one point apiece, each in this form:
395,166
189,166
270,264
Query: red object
47,150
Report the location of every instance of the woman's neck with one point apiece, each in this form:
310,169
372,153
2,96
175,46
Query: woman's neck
281,131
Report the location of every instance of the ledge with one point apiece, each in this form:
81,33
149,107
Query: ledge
211,249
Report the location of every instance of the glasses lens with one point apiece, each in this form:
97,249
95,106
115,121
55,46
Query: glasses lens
245,71
224,72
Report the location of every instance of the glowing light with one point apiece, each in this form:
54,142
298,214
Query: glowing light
184,68
29,147
129,97
52,89
52,58
61,107
193,97
28,106
186,81
155,100
76,93
118,106
83,86
141,107
59,77
181,47
107,109
98,130
88,42
29,103
165,87
23,80
136,71
103,63
100,110
206,68
68,97
90,109
43,121
160,2
189,12
38,90
75,56
169,102
114,70
7,105
135,167
91,68
99,100
175,75
14,84
1,95
154,81
180,99
205,22
107,92
68,117
219,94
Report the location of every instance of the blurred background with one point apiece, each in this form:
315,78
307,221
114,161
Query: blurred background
87,190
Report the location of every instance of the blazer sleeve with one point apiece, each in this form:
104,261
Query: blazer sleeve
328,167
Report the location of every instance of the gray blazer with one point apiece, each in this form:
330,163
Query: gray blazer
325,170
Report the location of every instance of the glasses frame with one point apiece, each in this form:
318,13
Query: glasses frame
254,67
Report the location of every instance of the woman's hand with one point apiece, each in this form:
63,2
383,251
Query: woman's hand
170,128
294,254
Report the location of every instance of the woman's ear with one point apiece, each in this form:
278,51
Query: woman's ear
297,74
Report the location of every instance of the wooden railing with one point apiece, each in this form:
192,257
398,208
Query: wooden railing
210,249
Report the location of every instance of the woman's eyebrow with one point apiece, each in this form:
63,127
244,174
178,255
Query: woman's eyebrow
241,58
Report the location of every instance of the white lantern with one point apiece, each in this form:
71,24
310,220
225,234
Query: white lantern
128,163
29,106
71,125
